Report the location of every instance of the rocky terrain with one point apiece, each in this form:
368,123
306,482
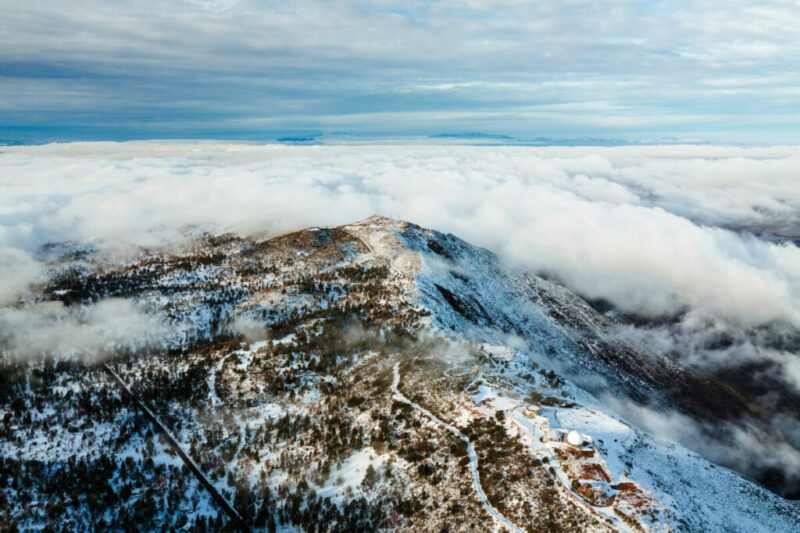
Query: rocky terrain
374,376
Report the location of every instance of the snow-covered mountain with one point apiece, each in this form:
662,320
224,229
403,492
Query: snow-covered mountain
374,376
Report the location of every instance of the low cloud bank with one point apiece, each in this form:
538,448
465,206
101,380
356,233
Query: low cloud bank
654,230
89,333
19,271
700,339
764,452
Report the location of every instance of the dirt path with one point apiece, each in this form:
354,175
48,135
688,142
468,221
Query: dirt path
539,449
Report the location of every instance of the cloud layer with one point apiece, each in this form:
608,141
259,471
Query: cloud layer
87,333
653,230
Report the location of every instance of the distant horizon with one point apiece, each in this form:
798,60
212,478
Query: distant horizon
441,139
627,73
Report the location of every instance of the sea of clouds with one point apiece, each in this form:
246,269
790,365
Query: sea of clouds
655,230
650,228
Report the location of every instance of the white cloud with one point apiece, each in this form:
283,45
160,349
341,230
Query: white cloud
749,446
640,226
90,333
19,270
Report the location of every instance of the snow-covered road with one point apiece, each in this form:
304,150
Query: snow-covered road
473,457
541,450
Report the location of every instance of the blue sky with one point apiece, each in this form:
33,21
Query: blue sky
633,71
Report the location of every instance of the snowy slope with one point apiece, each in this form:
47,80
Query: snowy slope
470,293
374,376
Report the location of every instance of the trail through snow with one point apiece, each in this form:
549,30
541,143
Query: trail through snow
473,457
539,449
217,402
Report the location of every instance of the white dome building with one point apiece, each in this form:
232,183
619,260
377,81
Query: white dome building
574,438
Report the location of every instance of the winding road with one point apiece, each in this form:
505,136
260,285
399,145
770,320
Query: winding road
538,449
473,457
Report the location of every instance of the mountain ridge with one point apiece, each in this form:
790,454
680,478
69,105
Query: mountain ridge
360,318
